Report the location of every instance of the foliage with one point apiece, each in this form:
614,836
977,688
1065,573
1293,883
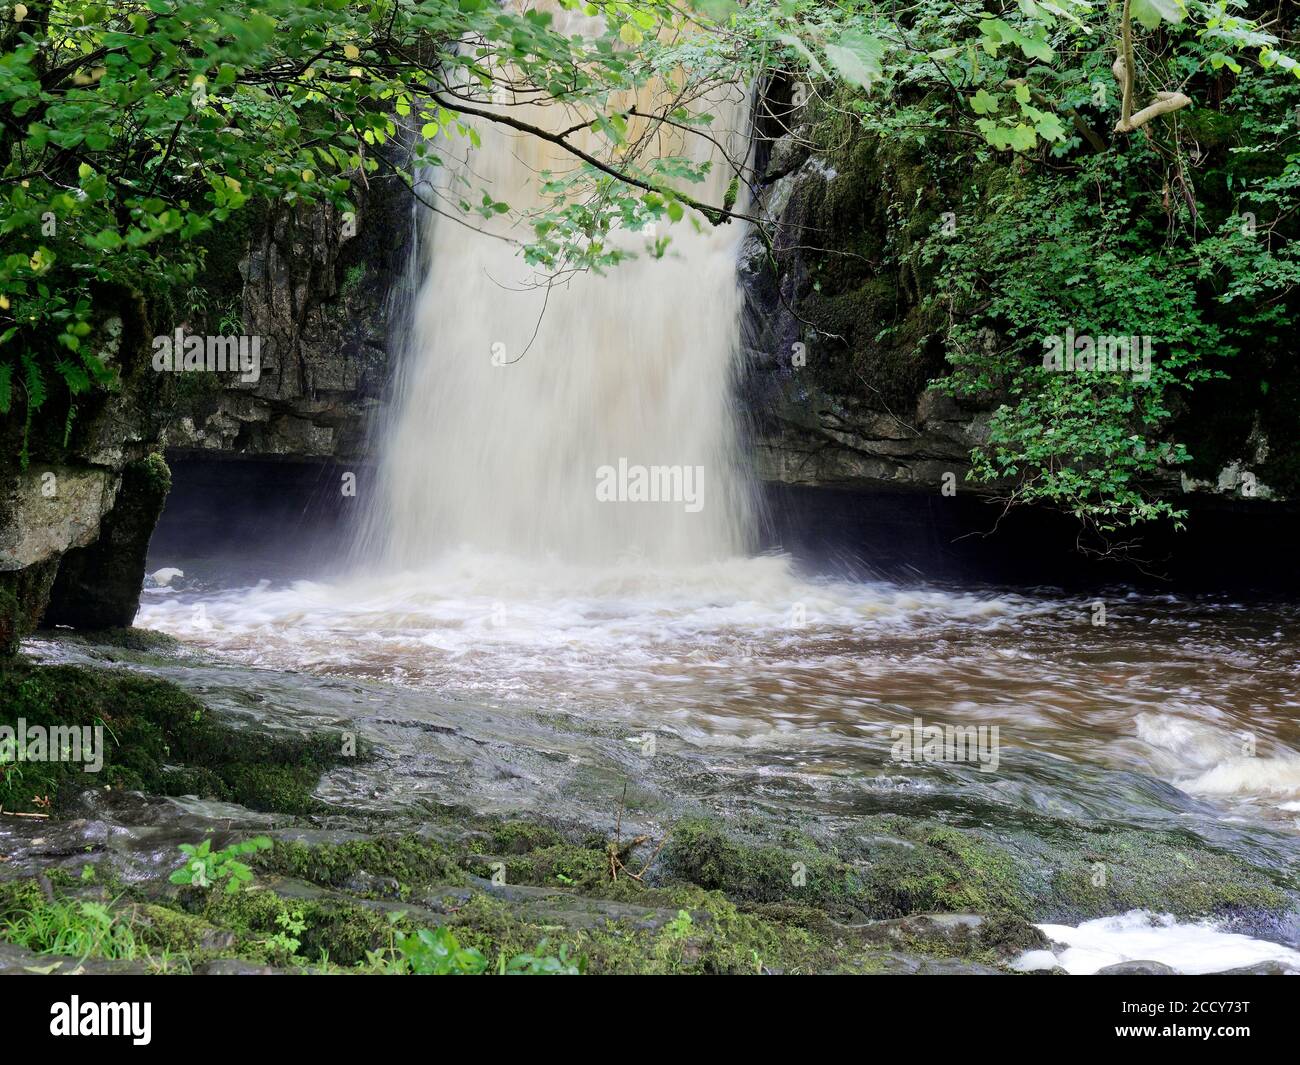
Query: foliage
438,953
1185,240
79,929
538,964
129,131
206,868
286,941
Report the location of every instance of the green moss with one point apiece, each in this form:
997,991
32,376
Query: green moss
168,931
130,639
943,870
581,867
338,930
866,286
931,869
19,895
1113,871
23,595
154,474
150,726
411,860
709,935
519,837
797,872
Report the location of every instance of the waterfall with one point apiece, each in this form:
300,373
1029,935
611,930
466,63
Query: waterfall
530,414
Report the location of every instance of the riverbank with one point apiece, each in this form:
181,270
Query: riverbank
536,834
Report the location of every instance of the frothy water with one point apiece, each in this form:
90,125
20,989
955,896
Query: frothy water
533,411
815,670
1189,948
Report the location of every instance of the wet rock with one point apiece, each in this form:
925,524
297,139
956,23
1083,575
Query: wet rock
901,964
15,961
52,509
235,967
362,883
314,286
956,933
1138,968
1263,968
58,500
416,827
23,595
839,364
98,585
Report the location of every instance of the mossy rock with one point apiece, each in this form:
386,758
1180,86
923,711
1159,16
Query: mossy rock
156,738
413,861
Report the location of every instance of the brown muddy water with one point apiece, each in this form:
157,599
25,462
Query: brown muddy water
815,676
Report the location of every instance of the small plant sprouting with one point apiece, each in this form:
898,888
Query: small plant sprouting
292,924
206,868
439,953
540,964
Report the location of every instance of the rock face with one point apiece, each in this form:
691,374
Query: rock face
317,289
314,287
840,351
54,508
75,483
98,585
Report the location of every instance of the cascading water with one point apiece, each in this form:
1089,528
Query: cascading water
517,391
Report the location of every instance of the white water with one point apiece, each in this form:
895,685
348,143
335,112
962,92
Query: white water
1189,948
515,391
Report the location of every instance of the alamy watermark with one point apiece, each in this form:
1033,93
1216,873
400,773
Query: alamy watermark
919,742
1106,354
53,743
77,1018
628,483
209,354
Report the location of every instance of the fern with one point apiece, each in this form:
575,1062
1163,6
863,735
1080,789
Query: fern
100,371
6,387
35,382
74,376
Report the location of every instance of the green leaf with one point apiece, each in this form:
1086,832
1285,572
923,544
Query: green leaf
1022,137
857,57
1151,12
802,51
984,103
1049,127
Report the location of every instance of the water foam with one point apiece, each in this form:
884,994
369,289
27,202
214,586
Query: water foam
1139,935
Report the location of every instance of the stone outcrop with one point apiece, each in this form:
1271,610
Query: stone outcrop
839,350
314,286
317,289
76,482
98,585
